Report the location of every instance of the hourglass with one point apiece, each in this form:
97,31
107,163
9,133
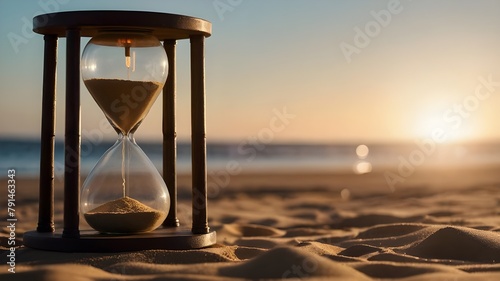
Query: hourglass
127,64
124,72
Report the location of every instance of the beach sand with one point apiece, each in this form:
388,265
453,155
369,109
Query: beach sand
436,225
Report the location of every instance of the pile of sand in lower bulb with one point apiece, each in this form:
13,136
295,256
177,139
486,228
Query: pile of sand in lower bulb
124,215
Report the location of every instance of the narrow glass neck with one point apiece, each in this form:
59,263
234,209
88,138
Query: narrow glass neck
119,131
126,137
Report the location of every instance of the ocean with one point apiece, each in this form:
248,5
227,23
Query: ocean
24,154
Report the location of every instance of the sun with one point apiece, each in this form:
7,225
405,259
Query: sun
445,125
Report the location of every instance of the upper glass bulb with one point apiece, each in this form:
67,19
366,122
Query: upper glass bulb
124,72
125,55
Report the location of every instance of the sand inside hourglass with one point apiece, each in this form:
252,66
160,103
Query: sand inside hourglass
124,215
125,103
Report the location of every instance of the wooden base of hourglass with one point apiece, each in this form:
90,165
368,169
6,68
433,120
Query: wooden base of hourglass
92,241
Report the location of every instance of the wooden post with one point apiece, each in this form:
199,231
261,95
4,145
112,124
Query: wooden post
169,135
72,142
198,138
46,188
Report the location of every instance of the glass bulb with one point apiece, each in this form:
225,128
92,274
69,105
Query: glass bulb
124,72
124,193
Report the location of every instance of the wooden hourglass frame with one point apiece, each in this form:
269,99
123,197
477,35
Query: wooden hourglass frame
168,28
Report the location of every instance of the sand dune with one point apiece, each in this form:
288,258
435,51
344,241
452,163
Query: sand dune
459,243
287,262
419,234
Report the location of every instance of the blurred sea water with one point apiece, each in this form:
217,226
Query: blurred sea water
24,156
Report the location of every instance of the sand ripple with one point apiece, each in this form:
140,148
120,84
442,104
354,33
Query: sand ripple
459,243
291,263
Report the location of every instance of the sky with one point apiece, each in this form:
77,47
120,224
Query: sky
320,71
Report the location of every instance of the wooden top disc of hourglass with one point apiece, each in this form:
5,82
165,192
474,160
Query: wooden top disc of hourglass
162,25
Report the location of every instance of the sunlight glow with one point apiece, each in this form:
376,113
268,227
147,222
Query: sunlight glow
363,167
444,126
362,151
345,194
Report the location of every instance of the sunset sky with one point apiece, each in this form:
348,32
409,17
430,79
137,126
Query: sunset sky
296,70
